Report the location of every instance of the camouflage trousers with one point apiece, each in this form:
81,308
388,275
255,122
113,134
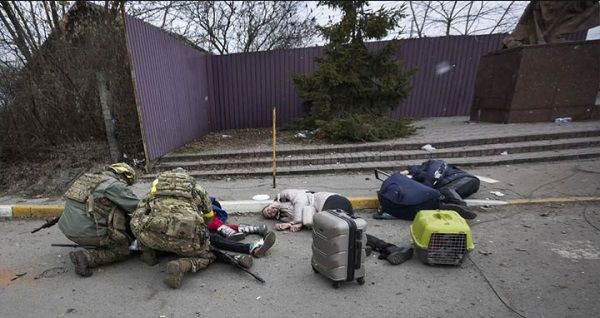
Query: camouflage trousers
109,249
198,260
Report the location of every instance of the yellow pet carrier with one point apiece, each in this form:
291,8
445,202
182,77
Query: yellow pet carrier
441,237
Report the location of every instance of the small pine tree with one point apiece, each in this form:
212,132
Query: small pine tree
351,83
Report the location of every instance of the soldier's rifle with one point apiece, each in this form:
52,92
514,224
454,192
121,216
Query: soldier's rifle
72,245
49,223
235,263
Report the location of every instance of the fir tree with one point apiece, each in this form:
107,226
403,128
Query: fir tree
355,87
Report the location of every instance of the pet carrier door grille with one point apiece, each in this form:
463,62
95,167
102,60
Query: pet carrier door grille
448,249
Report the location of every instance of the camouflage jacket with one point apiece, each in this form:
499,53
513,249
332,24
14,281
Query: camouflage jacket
110,194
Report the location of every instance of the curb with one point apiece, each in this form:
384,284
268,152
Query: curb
19,211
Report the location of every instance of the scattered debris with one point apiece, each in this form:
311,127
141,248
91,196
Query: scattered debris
563,120
257,298
300,135
545,214
69,311
504,153
51,272
137,162
428,148
497,193
17,276
226,136
521,249
483,252
527,226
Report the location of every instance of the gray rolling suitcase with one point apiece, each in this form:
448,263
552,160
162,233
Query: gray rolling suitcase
338,248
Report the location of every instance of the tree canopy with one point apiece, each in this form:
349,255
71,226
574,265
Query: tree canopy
353,83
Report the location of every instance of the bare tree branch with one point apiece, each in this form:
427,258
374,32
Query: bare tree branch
232,26
502,17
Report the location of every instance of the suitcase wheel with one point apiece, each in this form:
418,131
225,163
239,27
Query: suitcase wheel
315,270
336,285
361,281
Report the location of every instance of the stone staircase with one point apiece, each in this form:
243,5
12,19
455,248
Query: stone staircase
471,150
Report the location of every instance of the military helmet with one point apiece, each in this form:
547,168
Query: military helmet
124,170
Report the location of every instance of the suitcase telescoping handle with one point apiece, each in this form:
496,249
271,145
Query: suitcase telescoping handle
378,172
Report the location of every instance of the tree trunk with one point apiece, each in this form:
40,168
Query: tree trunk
103,92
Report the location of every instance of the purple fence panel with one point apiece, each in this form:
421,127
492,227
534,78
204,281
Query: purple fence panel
171,85
446,67
247,85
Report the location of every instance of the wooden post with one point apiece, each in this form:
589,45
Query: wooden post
113,144
274,143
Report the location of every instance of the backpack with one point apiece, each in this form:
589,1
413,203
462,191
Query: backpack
169,220
402,197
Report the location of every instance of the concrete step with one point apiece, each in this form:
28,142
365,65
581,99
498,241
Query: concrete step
395,165
392,155
439,143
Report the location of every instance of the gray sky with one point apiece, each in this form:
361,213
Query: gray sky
324,15
594,33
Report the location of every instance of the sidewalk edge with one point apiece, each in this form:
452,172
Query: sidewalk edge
19,211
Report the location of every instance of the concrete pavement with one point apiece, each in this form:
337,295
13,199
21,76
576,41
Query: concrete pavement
542,260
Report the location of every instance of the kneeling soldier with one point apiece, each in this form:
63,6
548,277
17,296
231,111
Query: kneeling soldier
170,219
96,214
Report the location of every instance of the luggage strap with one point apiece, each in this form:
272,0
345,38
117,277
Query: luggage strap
354,245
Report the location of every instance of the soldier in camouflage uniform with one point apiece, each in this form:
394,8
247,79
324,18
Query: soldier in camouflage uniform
96,214
171,220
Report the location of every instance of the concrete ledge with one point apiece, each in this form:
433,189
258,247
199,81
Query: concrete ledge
251,206
5,211
553,200
244,206
36,211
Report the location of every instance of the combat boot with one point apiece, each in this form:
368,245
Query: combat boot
82,265
230,233
464,211
245,260
399,255
254,229
149,256
175,271
259,248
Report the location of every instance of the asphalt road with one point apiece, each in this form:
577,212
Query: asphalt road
543,261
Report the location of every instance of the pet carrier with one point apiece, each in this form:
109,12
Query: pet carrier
441,237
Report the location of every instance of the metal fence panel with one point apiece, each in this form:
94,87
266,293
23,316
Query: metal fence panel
248,85
172,88
184,94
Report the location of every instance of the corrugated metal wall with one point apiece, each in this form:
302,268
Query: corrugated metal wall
183,93
172,88
247,85
446,68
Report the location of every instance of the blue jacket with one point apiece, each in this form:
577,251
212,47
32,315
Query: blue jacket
436,173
